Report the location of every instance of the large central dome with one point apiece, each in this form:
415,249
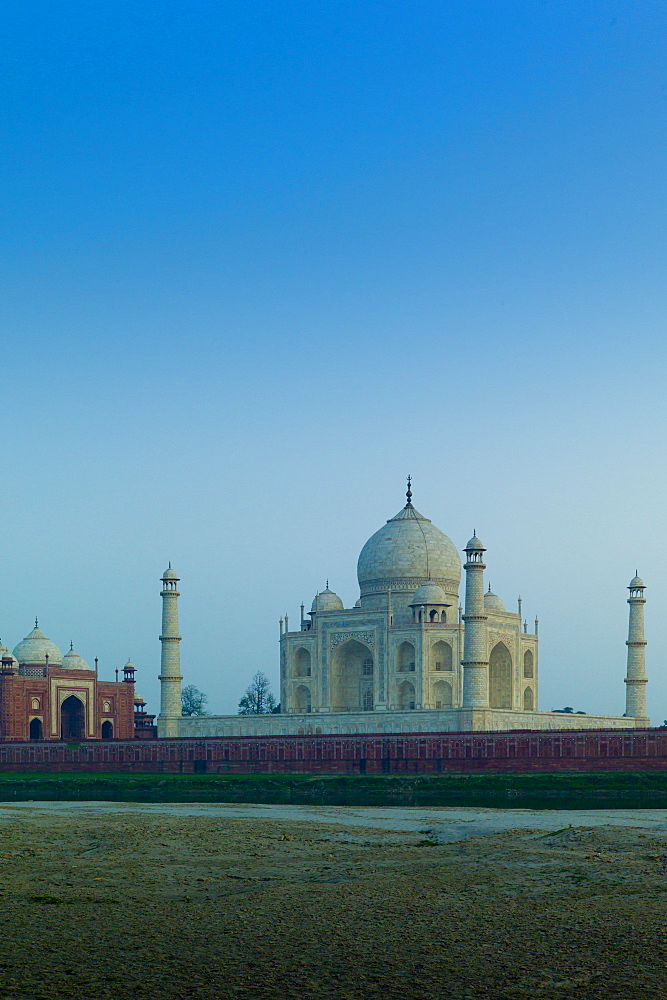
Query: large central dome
405,553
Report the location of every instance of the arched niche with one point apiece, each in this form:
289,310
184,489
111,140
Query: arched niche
36,729
351,675
441,656
528,664
302,700
500,677
528,700
406,695
405,658
442,694
302,662
107,730
72,719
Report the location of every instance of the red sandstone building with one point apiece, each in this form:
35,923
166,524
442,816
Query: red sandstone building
47,696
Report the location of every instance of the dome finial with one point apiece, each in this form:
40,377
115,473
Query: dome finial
327,587
36,622
409,493
71,645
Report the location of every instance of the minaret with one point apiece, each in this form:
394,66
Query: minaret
475,661
170,661
635,691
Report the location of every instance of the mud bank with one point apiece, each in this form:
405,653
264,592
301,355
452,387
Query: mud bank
122,901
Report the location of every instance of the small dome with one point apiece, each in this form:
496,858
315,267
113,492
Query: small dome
129,665
34,649
138,700
492,602
170,574
326,600
430,593
636,583
475,544
5,655
72,661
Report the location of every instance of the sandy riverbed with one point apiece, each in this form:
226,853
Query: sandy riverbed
121,901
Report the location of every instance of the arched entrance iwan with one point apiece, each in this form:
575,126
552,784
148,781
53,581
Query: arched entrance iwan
351,676
72,719
500,677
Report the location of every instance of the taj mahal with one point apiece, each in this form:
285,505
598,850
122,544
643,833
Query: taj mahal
408,657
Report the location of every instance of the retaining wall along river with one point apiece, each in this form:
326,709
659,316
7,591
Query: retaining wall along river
416,753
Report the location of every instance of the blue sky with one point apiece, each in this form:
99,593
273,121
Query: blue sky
260,261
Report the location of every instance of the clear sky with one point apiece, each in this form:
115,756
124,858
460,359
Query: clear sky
261,260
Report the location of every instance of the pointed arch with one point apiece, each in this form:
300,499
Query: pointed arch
405,658
406,695
302,699
500,677
528,700
442,694
528,664
72,719
302,662
441,656
351,676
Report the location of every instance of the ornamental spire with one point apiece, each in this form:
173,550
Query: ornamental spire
409,493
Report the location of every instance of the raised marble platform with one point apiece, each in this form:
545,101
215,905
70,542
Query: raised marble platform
454,720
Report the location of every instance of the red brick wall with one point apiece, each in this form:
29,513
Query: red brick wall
121,696
580,750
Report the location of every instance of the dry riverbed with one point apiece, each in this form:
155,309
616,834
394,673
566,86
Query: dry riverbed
104,900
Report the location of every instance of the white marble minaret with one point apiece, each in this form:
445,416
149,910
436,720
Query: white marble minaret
170,661
635,690
475,657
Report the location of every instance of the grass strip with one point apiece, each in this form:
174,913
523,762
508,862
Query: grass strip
578,790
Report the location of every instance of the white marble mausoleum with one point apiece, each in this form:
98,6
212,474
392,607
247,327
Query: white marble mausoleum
409,656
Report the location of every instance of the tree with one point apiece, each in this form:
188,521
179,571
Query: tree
258,699
193,701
